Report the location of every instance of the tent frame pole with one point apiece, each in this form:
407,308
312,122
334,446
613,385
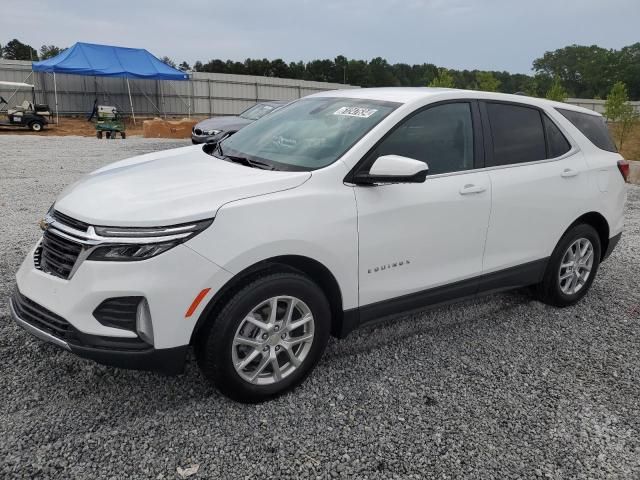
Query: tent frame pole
188,105
148,99
164,110
131,102
55,93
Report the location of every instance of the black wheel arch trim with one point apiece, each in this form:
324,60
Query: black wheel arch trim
600,224
312,268
612,244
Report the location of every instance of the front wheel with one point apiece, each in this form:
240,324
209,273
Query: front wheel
572,267
36,126
267,338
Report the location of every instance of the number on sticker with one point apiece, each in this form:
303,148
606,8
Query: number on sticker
359,112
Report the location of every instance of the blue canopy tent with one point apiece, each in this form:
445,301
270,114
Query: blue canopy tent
108,61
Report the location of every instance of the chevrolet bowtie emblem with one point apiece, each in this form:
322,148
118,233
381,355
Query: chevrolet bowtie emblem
44,224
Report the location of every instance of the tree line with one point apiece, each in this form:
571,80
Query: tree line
573,71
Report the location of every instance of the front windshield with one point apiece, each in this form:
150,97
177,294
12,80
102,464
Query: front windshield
257,111
308,134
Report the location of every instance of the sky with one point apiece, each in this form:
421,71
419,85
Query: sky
462,34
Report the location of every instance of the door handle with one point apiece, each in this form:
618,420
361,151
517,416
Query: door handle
569,172
470,188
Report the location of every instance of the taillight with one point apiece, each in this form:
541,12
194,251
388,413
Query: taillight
623,166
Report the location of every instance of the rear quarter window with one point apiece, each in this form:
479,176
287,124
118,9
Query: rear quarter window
557,144
593,127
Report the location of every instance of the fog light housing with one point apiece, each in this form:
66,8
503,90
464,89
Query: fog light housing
118,312
144,326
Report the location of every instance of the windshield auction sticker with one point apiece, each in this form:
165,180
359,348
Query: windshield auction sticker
359,112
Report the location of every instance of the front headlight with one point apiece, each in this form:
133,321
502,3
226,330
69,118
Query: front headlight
122,244
212,132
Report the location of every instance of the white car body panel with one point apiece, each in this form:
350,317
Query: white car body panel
167,188
525,221
314,221
436,232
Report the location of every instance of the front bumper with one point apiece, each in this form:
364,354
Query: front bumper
168,282
105,350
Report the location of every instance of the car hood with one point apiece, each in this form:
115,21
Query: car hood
167,188
223,123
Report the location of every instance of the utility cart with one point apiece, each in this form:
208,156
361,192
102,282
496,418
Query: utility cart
29,114
109,122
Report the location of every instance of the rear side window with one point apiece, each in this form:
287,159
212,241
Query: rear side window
593,127
556,142
517,134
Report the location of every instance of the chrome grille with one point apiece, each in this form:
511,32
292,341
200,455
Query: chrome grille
70,222
57,255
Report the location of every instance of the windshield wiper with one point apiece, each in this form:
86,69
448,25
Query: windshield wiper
243,160
249,163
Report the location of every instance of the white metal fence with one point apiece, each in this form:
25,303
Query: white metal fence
596,104
205,94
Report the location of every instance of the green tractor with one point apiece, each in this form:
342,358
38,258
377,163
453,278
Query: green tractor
109,123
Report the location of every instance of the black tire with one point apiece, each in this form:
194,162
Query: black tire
99,135
36,126
107,135
123,135
214,348
549,290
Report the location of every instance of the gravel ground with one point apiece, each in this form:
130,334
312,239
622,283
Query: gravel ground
502,387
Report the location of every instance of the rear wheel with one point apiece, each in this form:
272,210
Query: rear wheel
267,338
36,126
123,135
99,134
572,267
107,135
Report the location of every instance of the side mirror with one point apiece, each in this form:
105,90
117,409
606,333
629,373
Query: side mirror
394,169
214,141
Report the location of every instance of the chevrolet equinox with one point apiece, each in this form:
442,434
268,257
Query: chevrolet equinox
338,210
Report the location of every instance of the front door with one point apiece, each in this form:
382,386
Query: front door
414,238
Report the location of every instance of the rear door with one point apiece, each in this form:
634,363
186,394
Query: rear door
538,181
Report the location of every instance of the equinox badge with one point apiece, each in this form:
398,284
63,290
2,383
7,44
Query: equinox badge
388,266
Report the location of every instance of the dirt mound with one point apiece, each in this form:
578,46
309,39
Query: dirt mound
75,126
159,128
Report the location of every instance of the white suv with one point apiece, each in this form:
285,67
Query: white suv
340,209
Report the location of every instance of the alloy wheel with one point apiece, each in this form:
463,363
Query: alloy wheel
273,340
576,266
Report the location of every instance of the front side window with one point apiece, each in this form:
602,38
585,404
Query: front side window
517,134
440,136
308,134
